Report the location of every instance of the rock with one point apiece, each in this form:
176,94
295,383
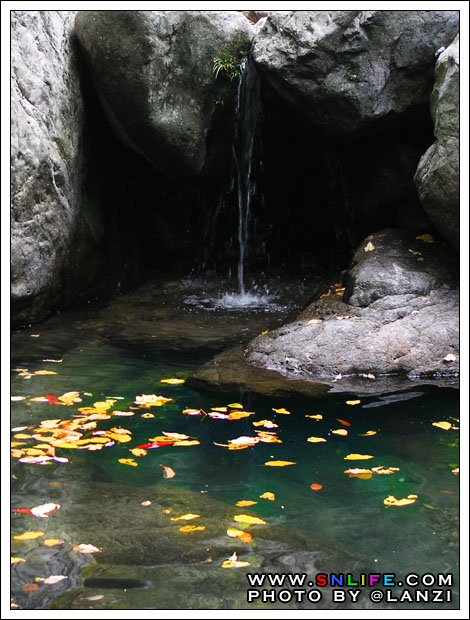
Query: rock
348,68
394,262
153,71
437,176
51,244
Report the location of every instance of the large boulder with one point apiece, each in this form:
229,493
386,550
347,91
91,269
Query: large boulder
348,68
154,73
50,240
437,177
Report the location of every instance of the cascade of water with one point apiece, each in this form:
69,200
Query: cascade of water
247,112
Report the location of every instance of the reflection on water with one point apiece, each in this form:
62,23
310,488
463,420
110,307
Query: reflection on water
125,350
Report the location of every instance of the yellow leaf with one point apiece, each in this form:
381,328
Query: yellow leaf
130,462
220,409
238,415
340,431
353,402
166,511
16,454
22,436
368,433
189,442
192,528
281,410
359,472
168,472
268,437
316,439
279,463
192,411
234,533
426,238
28,535
172,381
357,457
249,519
245,502
391,500
178,436
14,560
456,471
234,562
444,425
316,416
151,400
118,437
385,470
186,517
266,424
147,415
84,548
52,542
45,372
138,451
15,444
235,406
369,247
268,495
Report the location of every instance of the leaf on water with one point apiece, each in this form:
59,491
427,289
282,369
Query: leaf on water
85,548
151,400
249,519
369,247
268,495
220,409
36,460
147,415
187,442
22,436
166,511
456,471
316,416
234,533
168,472
15,560
44,510
353,402
186,517
16,454
192,528
192,411
177,436
340,431
172,381
123,413
368,434
316,486
279,463
15,398
52,542
218,416
316,439
53,579
391,500
45,372
138,452
245,502
238,415
31,535
69,398
30,587
267,437
368,375
385,470
343,422
357,457
235,406
130,462
426,238
282,410
359,472
266,424
446,426
234,562
147,502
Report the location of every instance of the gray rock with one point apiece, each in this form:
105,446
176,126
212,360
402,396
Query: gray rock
348,68
153,71
437,176
393,262
49,238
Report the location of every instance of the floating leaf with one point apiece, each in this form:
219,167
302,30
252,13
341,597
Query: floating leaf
268,495
368,433
85,548
369,247
29,535
359,472
187,442
456,471
279,463
426,238
177,436
15,560
267,437
168,472
391,500
53,579
172,381
151,400
15,398
316,486
340,431
192,411
316,416
192,528
30,587
147,415
266,424
344,422
235,406
238,415
234,562
446,426
220,409
186,517
384,470
45,372
139,452
245,502
130,462
282,410
52,542
44,510
316,439
145,503
357,457
353,402
249,519
241,534
166,511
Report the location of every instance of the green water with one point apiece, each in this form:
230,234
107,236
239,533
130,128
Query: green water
168,330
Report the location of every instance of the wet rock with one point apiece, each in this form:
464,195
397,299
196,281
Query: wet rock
153,71
437,177
348,68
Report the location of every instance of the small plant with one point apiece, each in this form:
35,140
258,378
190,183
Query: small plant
228,64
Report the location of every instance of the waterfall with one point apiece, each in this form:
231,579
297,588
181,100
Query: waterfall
247,112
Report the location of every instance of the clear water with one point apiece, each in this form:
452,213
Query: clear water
124,350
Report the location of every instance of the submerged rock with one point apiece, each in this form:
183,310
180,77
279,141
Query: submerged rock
153,71
437,177
348,68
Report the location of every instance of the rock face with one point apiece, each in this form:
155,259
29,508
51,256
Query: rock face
348,68
437,177
49,238
153,71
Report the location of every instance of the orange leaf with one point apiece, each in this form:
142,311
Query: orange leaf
344,422
316,486
30,587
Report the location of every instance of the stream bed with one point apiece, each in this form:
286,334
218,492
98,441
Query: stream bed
125,509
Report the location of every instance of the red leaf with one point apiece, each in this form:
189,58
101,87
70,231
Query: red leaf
51,398
344,422
24,510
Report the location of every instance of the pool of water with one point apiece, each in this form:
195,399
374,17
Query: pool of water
317,518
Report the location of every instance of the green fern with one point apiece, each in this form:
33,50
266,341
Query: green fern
228,64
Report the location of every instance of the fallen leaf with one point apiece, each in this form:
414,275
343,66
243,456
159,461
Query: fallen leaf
192,528
245,502
15,560
268,495
340,431
426,238
344,422
234,562
44,510
85,548
444,425
177,436
267,437
168,472
220,409
172,381
279,463
238,415
53,579
369,247
29,535
385,470
368,433
456,471
166,511
96,597
187,442
130,462
15,398
282,410
414,252
46,372
316,486
353,402
314,322
266,424
30,587
234,533
235,406
192,411
147,415
56,483
359,472
391,500
52,542
450,357
357,457
316,439
316,416
151,400
138,452
249,519
186,517
145,503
